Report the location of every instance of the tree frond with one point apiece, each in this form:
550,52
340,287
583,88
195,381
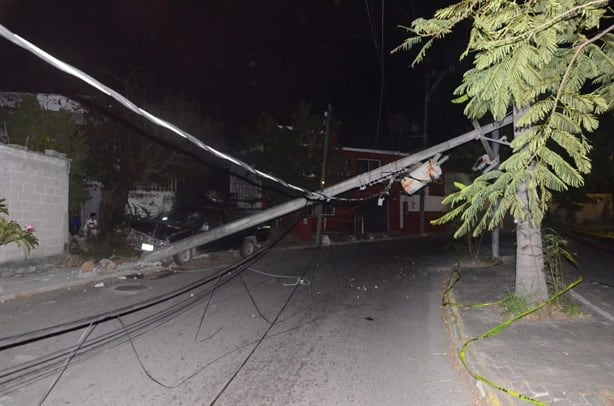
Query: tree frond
561,168
540,55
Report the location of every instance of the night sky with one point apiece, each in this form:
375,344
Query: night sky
238,58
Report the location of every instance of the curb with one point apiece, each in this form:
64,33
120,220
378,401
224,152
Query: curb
459,336
78,282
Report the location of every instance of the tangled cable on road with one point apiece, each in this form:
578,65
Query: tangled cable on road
266,332
60,360
25,373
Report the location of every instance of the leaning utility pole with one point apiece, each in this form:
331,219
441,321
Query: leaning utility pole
381,174
328,114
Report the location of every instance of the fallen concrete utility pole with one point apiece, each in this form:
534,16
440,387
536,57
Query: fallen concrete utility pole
378,175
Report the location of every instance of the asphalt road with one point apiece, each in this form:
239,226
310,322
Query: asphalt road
363,327
597,266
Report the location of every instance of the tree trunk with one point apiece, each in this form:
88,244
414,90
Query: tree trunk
530,277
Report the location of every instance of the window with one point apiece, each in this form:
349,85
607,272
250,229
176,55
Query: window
366,165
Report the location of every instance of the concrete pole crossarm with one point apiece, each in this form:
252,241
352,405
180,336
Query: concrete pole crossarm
383,172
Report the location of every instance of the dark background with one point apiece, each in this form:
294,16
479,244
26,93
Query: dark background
238,58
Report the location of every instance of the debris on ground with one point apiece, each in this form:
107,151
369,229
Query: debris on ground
107,265
88,268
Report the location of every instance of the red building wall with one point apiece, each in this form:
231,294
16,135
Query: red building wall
394,216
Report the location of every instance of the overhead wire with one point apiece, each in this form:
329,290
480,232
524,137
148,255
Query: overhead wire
138,357
382,80
302,281
79,74
379,51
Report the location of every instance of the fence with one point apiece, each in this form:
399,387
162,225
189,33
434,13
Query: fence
35,187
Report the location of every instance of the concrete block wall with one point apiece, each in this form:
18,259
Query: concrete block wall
35,187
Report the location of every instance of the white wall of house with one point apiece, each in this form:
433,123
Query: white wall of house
35,187
149,203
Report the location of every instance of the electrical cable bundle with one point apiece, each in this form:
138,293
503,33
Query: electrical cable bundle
28,372
25,373
131,106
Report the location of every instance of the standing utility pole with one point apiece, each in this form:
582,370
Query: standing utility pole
328,115
429,90
494,241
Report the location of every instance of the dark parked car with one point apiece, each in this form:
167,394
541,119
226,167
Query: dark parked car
184,222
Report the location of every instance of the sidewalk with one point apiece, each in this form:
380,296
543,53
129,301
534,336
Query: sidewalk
23,282
554,360
18,281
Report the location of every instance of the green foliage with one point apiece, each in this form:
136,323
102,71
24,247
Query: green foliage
294,152
555,252
39,129
134,153
547,57
514,305
568,307
11,232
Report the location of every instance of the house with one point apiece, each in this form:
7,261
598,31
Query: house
398,212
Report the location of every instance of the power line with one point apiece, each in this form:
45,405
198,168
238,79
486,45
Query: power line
73,71
379,51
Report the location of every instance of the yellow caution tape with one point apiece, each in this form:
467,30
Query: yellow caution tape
498,329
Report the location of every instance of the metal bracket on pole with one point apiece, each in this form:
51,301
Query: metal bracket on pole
386,192
503,140
485,144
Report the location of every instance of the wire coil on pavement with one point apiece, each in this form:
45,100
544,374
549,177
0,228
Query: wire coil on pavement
456,276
